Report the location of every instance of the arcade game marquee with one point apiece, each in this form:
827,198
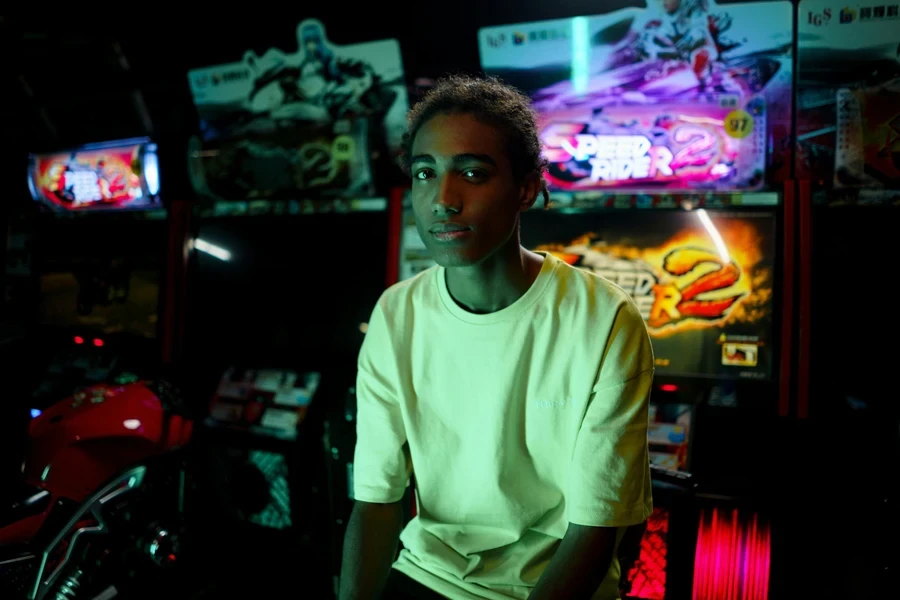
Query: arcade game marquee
292,219
100,251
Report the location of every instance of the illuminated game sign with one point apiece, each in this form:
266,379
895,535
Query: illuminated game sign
278,123
677,95
118,175
276,93
693,146
702,283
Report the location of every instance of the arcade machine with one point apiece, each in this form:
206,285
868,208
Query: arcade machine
848,167
99,254
289,262
667,130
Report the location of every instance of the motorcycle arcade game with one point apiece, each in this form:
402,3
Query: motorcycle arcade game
288,264
848,168
667,131
98,508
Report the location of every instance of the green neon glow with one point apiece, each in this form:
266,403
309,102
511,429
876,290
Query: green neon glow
581,54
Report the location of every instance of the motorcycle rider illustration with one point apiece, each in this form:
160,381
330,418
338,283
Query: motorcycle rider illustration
685,32
317,85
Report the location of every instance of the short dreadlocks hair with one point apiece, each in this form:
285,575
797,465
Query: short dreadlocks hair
493,102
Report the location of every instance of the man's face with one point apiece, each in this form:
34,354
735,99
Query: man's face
462,179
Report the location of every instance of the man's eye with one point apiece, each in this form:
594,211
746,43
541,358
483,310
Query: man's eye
423,174
474,174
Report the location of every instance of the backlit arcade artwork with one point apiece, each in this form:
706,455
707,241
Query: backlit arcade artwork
848,112
114,176
681,94
300,120
702,281
329,159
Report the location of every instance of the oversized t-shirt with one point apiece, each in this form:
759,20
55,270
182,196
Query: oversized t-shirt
515,423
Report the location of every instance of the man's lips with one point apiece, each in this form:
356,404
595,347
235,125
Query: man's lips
448,228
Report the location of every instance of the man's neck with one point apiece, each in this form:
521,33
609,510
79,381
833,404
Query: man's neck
495,283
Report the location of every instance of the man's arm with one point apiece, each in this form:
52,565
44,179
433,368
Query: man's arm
579,565
370,547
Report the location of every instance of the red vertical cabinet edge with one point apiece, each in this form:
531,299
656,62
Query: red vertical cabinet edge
787,300
395,230
805,254
173,306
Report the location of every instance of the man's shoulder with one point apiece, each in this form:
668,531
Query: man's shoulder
603,293
405,293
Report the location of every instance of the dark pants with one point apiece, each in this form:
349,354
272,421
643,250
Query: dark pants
401,587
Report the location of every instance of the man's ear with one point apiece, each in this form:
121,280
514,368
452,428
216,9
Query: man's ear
531,187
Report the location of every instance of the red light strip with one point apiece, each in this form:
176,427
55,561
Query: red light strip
732,558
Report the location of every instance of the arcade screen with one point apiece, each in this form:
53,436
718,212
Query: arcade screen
682,94
113,176
97,279
703,281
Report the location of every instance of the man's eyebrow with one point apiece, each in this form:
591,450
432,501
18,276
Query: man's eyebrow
457,159
483,158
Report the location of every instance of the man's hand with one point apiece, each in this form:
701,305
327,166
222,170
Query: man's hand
579,565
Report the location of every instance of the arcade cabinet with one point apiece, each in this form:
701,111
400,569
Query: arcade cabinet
288,263
99,258
91,255
848,167
668,170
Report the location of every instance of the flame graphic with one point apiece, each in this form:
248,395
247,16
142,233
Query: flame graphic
741,289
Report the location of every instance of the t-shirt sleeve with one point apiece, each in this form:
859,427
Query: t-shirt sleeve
609,482
381,463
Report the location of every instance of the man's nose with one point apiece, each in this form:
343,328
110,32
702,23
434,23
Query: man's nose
447,198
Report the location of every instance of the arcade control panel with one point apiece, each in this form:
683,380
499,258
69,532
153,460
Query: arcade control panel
267,402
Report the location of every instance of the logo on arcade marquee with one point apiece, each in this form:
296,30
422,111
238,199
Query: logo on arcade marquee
580,158
692,288
82,181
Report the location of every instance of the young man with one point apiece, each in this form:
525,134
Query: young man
515,386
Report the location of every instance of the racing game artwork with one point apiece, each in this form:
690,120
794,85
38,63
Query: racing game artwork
702,281
848,112
281,122
109,177
679,95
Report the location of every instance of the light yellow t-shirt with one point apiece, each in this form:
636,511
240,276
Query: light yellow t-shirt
516,423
